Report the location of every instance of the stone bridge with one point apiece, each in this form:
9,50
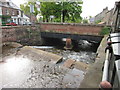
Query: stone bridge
71,30
33,34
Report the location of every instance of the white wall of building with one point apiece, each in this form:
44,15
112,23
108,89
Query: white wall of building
0,10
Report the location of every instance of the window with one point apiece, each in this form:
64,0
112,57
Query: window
14,20
21,13
13,13
7,12
17,12
8,3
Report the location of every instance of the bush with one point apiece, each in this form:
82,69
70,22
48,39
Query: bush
105,30
98,21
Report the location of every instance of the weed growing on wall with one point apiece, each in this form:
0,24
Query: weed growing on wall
105,30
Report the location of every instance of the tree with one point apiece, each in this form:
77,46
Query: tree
70,11
85,21
66,11
47,9
26,8
62,11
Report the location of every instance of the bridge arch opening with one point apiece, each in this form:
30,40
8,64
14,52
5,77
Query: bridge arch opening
77,45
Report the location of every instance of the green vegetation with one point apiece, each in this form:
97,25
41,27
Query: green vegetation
5,19
85,21
98,21
26,8
105,30
62,11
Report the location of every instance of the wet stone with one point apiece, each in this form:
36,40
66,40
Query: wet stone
83,56
73,78
69,63
81,66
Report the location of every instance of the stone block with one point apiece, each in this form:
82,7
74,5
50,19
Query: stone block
68,63
40,54
81,66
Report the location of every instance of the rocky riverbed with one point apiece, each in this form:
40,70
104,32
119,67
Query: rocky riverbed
87,57
27,67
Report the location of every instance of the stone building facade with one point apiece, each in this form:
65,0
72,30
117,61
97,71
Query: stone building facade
99,17
105,17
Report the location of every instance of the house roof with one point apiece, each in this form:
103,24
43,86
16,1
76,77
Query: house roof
2,0
9,4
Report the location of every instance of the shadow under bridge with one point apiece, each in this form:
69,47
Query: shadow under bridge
76,37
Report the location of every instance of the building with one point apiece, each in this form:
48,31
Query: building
108,17
12,13
91,20
33,18
3,0
105,17
99,17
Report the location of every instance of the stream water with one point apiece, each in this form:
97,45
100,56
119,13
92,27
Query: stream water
83,52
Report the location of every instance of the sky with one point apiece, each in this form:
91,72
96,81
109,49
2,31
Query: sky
93,7
89,7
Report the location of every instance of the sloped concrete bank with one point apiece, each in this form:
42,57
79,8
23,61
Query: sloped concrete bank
93,76
26,67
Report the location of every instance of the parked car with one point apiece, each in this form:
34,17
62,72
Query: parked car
11,24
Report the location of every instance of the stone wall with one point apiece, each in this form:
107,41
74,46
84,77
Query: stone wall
21,34
72,28
30,35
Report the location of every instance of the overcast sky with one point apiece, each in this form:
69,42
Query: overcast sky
90,7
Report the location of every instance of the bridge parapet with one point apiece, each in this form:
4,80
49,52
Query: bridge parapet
72,28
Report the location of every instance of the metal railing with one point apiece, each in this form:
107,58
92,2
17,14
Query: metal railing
106,67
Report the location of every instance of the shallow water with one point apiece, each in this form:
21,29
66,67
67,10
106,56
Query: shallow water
83,56
83,51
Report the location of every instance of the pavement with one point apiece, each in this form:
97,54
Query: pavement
93,76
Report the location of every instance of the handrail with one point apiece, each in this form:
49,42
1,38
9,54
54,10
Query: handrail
106,66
